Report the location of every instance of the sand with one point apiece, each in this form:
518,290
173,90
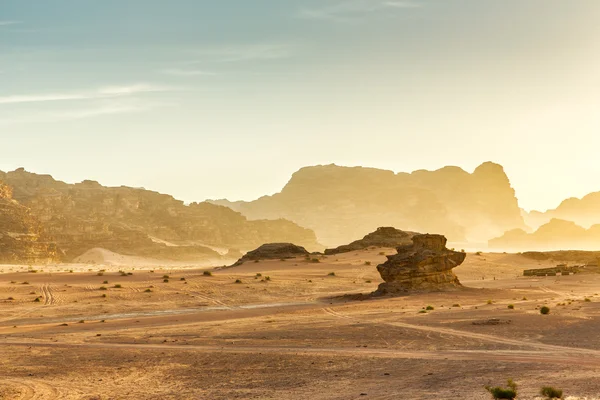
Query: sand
294,336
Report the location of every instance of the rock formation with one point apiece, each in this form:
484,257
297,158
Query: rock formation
274,251
555,235
584,212
21,237
139,222
382,237
343,203
426,265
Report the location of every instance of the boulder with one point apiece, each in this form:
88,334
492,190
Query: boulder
382,237
425,265
274,251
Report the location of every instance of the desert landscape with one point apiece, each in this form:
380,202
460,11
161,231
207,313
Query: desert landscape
299,200
298,328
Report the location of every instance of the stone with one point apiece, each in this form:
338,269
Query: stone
382,237
274,251
425,265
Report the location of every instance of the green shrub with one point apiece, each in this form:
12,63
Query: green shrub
551,393
102,288
165,280
490,302
182,279
511,306
118,286
587,299
105,282
422,312
267,278
456,305
207,273
104,295
148,290
367,262
37,300
510,392
258,275
429,308
331,274
165,276
545,310
238,281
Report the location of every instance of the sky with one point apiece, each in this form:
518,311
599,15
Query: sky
226,99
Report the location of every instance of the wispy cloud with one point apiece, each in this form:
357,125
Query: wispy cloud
100,93
349,11
6,23
98,109
232,54
187,72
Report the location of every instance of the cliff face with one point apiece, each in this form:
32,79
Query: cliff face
343,203
584,212
426,265
21,236
555,235
140,222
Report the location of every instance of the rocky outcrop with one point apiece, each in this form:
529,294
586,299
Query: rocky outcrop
555,235
426,265
584,212
382,237
22,240
139,222
274,251
343,203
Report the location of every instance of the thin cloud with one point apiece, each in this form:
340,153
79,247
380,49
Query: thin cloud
6,23
106,92
99,109
233,54
187,72
349,11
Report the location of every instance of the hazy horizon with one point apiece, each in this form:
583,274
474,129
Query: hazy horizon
200,99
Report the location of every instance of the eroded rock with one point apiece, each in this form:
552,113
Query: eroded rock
382,237
426,265
274,251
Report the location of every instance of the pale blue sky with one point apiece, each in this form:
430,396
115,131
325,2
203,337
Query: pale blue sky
211,99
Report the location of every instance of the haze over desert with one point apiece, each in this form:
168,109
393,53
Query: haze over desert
299,200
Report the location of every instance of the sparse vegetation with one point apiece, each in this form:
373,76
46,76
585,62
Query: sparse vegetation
267,278
104,295
429,308
587,300
105,282
456,305
510,392
551,393
207,273
331,274
490,302
117,286
37,300
511,306
102,288
148,290
165,280
238,281
367,262
545,310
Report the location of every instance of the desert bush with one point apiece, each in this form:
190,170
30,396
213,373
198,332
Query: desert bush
587,299
256,261
490,302
510,392
331,274
382,253
165,280
102,288
267,278
207,273
37,300
258,275
429,308
100,273
511,306
478,253
551,393
182,279
422,312
238,281
367,262
545,310
455,305
165,276
148,290
118,286
104,295
315,260
105,282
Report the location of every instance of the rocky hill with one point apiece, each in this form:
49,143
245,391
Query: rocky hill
584,212
557,234
21,237
136,221
273,251
343,203
382,237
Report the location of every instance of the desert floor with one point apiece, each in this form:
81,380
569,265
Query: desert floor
294,336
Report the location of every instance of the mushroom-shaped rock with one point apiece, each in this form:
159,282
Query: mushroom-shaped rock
426,265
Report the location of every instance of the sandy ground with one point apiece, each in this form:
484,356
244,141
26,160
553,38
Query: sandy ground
131,335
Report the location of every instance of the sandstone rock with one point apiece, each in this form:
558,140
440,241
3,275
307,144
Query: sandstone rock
382,237
426,265
274,251
343,203
21,237
87,215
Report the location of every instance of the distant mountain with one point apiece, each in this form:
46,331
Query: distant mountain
344,203
557,234
21,237
584,212
131,221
